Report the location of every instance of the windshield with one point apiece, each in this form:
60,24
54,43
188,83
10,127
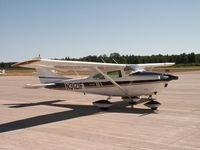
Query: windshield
128,70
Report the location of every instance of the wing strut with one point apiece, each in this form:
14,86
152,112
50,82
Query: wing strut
111,80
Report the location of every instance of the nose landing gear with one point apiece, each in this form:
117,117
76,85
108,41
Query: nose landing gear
131,100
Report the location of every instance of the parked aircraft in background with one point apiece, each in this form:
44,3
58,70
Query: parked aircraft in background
2,71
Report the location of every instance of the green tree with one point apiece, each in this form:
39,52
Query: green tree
2,65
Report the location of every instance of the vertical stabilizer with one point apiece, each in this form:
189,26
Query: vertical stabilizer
47,75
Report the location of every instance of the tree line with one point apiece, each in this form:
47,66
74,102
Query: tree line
180,60
183,59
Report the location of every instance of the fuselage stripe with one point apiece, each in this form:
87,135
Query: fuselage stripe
108,83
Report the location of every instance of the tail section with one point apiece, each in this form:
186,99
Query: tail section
47,75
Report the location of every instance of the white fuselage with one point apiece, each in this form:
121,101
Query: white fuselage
135,85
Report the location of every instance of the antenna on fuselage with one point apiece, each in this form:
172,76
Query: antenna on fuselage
38,57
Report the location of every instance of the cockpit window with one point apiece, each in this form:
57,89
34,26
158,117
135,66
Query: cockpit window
98,77
114,74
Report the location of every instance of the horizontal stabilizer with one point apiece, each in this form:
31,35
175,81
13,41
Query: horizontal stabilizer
37,86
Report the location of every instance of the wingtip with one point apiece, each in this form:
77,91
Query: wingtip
170,63
28,62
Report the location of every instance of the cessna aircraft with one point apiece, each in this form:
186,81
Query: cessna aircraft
129,81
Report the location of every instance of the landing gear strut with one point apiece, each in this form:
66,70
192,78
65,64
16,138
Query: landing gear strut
132,104
131,100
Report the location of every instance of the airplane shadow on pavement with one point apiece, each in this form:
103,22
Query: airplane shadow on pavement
75,112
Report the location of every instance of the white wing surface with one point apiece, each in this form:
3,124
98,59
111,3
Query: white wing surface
90,67
68,65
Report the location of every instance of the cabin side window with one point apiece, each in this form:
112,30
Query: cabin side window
99,76
114,74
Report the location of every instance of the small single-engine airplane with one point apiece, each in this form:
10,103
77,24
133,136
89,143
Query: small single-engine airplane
129,81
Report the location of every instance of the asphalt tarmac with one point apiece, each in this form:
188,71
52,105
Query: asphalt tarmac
38,119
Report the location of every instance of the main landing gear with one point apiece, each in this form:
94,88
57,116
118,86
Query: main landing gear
103,104
152,103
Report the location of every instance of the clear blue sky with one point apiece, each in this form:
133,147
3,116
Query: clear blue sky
77,28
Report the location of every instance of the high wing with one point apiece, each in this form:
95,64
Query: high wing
79,66
63,65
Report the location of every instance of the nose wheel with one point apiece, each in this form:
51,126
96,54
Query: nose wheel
131,100
154,108
132,104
